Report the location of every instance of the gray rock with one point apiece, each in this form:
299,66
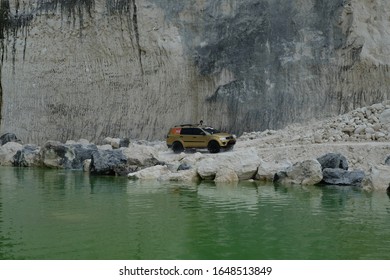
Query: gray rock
333,160
9,137
82,153
68,156
384,117
124,142
338,176
387,160
29,156
184,166
109,162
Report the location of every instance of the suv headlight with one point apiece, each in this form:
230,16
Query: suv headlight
222,138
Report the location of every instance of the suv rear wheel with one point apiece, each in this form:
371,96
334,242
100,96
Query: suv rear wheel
213,147
177,147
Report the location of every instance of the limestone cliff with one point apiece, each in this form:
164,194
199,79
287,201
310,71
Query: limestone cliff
132,68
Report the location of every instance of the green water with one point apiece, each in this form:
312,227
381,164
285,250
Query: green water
55,214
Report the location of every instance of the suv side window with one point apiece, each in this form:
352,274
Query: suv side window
191,131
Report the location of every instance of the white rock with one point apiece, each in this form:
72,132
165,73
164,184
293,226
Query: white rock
87,165
369,130
378,178
308,172
114,142
139,154
189,175
384,117
150,173
360,129
267,170
226,175
7,152
105,147
244,163
207,168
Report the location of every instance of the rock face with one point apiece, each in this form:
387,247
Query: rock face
131,68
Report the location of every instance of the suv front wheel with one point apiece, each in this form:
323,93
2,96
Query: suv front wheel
177,147
213,147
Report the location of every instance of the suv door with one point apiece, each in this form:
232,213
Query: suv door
193,137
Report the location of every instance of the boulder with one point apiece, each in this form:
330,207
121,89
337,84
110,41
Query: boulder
141,155
378,178
226,175
333,160
384,117
244,163
189,175
308,172
207,168
109,162
338,176
150,173
54,154
267,170
28,156
82,152
117,143
9,137
8,151
68,156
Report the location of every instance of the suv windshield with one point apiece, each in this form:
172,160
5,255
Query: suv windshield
211,130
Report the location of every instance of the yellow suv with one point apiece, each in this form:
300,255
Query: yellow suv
187,136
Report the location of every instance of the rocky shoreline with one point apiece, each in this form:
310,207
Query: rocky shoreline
350,149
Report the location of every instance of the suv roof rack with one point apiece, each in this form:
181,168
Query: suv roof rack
187,124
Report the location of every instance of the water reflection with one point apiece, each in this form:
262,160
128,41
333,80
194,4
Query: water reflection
56,214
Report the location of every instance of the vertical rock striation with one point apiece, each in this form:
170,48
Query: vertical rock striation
132,68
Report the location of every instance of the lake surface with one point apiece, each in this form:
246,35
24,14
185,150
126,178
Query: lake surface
57,214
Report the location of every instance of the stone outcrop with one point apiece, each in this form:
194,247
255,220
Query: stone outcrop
97,68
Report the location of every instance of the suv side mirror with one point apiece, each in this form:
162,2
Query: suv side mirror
203,133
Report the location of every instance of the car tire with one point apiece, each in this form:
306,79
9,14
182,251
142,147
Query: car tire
213,147
177,147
